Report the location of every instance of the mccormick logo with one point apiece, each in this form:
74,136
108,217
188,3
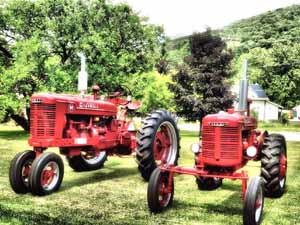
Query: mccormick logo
84,105
36,100
217,124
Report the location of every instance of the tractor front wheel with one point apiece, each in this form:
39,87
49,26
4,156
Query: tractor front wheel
254,202
157,142
160,191
87,162
208,183
274,165
19,171
46,174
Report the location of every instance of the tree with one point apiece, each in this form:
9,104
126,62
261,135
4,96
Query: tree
39,41
163,65
277,70
200,86
270,42
152,89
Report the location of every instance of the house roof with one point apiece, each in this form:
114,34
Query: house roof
255,92
277,105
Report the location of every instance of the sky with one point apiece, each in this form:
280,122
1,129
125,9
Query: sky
183,17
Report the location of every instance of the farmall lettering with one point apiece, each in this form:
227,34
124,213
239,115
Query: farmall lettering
217,124
87,105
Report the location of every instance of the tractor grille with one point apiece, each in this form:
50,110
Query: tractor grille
221,143
42,120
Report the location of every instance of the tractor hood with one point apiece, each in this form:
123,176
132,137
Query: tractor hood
223,119
75,104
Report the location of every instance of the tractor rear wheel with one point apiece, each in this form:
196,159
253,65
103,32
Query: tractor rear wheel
208,183
254,202
159,195
157,142
46,174
19,171
84,162
274,165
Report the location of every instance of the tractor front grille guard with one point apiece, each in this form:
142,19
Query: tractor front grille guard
42,120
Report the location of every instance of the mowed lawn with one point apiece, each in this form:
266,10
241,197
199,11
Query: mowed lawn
116,194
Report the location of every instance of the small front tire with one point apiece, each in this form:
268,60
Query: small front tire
46,174
19,171
160,193
254,202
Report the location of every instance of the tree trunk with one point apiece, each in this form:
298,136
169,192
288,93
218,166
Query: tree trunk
21,121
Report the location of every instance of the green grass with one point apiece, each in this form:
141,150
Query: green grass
116,194
277,126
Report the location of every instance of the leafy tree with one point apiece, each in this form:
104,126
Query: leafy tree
200,86
177,50
270,42
277,70
163,65
39,41
152,89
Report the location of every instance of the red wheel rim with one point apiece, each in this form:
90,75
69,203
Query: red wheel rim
165,192
258,205
165,144
25,171
49,176
282,168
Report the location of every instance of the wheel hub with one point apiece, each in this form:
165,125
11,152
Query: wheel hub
25,171
283,165
164,193
50,175
165,144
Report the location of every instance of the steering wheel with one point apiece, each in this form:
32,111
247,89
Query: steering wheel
121,90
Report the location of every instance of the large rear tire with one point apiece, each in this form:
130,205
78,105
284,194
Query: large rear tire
157,142
159,195
254,202
274,165
84,163
46,174
19,171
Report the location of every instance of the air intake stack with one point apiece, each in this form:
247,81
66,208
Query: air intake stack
243,93
83,76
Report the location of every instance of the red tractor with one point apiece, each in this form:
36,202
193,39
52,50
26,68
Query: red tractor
86,130
229,141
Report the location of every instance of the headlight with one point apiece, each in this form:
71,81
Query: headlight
195,147
251,151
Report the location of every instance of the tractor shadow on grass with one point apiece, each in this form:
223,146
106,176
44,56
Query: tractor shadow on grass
107,173
14,134
232,205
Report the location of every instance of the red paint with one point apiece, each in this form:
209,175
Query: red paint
283,166
225,139
75,123
47,175
162,145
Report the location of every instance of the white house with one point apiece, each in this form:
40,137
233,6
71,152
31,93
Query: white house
266,109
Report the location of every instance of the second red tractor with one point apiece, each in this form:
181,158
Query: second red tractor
229,141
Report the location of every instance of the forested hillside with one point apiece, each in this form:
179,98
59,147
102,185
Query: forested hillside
266,30
270,42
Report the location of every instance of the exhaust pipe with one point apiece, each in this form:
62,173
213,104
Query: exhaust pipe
243,94
82,76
